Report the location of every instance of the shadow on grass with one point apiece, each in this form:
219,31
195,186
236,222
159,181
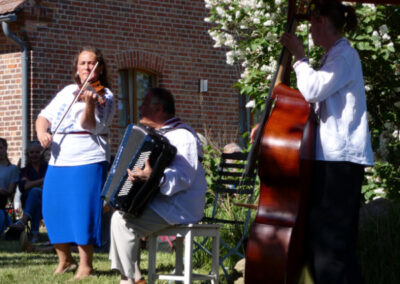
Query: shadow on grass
11,256
21,259
379,242
106,272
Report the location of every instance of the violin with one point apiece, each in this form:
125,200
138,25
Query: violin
99,89
96,85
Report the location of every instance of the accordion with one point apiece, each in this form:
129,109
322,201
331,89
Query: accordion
138,145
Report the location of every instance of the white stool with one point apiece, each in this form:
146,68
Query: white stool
187,233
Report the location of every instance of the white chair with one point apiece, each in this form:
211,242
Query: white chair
184,263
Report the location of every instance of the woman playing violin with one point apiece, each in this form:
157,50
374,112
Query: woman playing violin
72,206
343,146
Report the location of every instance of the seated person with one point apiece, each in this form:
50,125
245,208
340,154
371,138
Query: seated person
8,183
182,189
30,186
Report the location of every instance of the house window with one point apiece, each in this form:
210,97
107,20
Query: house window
132,85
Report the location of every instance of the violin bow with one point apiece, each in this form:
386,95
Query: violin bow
76,97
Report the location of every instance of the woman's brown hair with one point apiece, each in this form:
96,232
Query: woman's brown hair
343,17
100,58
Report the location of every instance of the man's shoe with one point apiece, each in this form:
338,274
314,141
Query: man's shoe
24,242
19,225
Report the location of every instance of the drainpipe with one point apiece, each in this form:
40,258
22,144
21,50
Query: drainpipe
24,80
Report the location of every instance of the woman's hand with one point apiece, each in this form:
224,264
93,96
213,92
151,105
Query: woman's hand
254,132
45,139
88,120
293,44
89,96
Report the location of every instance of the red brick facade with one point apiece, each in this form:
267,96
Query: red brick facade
168,37
10,102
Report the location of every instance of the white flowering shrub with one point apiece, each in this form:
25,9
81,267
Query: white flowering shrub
249,31
378,43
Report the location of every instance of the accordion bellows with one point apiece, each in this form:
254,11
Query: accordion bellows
138,145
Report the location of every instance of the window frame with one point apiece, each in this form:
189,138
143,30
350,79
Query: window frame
131,97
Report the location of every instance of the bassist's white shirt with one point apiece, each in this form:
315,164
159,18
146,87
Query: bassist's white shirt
338,91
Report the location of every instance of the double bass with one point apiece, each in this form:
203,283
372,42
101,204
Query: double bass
284,148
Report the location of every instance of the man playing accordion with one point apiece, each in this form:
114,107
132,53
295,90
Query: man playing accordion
181,198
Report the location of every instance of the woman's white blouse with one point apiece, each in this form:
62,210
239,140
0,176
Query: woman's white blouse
78,149
338,93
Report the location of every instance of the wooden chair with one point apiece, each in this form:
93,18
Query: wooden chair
229,190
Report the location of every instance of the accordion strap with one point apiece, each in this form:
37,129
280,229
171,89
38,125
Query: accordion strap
165,130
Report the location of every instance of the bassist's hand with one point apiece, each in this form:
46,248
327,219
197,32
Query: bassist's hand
253,133
293,44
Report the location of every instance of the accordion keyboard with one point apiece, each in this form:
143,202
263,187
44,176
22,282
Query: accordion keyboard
127,186
137,146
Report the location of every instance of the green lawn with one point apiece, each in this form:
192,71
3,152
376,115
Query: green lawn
378,249
21,267
31,268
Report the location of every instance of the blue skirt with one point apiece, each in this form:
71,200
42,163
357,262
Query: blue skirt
72,207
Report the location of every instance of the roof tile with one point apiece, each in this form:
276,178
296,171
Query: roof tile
10,6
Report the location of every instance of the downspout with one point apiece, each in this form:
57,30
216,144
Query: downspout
242,119
24,80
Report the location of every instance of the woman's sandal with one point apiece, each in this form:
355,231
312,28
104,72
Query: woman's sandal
70,268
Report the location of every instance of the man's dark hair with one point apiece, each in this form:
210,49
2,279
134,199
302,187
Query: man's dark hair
165,98
5,145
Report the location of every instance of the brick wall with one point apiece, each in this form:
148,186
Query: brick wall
167,36
10,103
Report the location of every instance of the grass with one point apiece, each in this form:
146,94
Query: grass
37,268
378,249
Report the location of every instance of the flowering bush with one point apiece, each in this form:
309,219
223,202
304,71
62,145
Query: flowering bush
378,43
250,31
